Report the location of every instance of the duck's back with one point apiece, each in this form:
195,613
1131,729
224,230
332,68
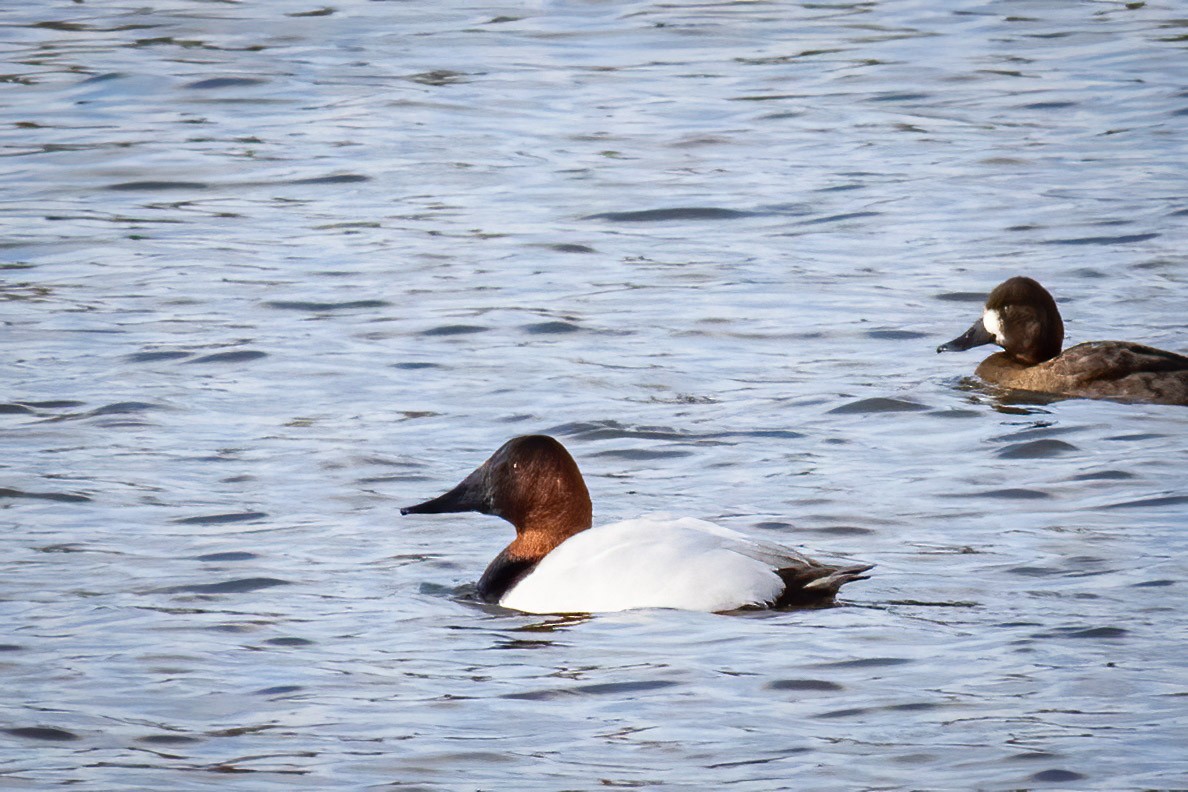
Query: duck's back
1118,370
653,562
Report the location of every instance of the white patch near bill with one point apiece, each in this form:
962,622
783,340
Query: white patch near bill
993,324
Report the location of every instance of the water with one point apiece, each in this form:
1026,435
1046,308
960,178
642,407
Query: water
270,274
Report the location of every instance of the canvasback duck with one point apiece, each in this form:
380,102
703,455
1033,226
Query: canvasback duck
1021,317
559,564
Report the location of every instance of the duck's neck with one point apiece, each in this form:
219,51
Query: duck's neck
1033,356
534,540
537,538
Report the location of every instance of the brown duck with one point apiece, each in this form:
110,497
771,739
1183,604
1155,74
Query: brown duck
1022,318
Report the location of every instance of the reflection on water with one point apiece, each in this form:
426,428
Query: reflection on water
266,274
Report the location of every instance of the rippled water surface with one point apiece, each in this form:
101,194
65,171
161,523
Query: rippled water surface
271,271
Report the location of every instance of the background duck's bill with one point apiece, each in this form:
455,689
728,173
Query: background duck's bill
974,336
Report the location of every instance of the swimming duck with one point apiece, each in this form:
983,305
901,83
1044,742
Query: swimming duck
558,563
1022,318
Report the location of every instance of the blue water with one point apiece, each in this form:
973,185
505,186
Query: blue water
270,273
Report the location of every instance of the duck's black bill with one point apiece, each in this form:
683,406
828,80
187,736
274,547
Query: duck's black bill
974,336
467,496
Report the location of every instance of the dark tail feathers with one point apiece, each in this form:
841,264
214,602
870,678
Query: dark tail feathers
815,586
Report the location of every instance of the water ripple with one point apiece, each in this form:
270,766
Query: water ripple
238,586
687,213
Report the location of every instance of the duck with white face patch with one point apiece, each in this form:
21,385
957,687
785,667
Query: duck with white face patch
1021,317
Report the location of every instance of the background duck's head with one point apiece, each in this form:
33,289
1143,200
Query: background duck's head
1021,317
